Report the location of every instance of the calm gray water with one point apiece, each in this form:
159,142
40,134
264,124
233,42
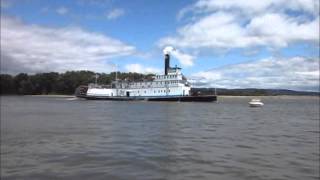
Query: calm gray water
60,138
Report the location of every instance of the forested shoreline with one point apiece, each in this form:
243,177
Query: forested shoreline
66,84
59,83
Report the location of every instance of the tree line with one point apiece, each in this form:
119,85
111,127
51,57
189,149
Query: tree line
59,83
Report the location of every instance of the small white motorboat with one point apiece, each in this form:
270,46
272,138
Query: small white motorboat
255,103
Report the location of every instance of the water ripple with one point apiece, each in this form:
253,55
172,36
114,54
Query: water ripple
48,138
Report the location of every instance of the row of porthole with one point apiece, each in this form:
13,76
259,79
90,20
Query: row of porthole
167,77
146,86
159,91
165,82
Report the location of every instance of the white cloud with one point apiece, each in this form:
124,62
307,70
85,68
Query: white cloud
183,58
229,24
254,7
115,13
62,10
138,68
32,48
295,73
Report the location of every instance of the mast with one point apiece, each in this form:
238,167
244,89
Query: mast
116,80
116,74
96,79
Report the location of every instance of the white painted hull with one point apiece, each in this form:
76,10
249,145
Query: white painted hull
256,104
140,92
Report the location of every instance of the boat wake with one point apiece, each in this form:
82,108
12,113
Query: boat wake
72,99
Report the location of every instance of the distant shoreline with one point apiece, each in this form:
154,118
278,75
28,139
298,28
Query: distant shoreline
221,96
271,96
42,95
53,95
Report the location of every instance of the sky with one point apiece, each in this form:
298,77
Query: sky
218,43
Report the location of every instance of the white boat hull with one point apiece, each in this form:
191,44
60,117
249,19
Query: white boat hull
256,104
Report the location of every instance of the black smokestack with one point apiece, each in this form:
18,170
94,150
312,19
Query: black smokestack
166,63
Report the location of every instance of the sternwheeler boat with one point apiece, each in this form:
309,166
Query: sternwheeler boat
171,86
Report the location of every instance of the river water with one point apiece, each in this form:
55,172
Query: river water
65,138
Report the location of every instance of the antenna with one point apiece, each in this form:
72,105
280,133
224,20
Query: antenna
116,79
116,73
96,79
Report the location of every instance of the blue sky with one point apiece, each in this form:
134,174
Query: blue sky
209,37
